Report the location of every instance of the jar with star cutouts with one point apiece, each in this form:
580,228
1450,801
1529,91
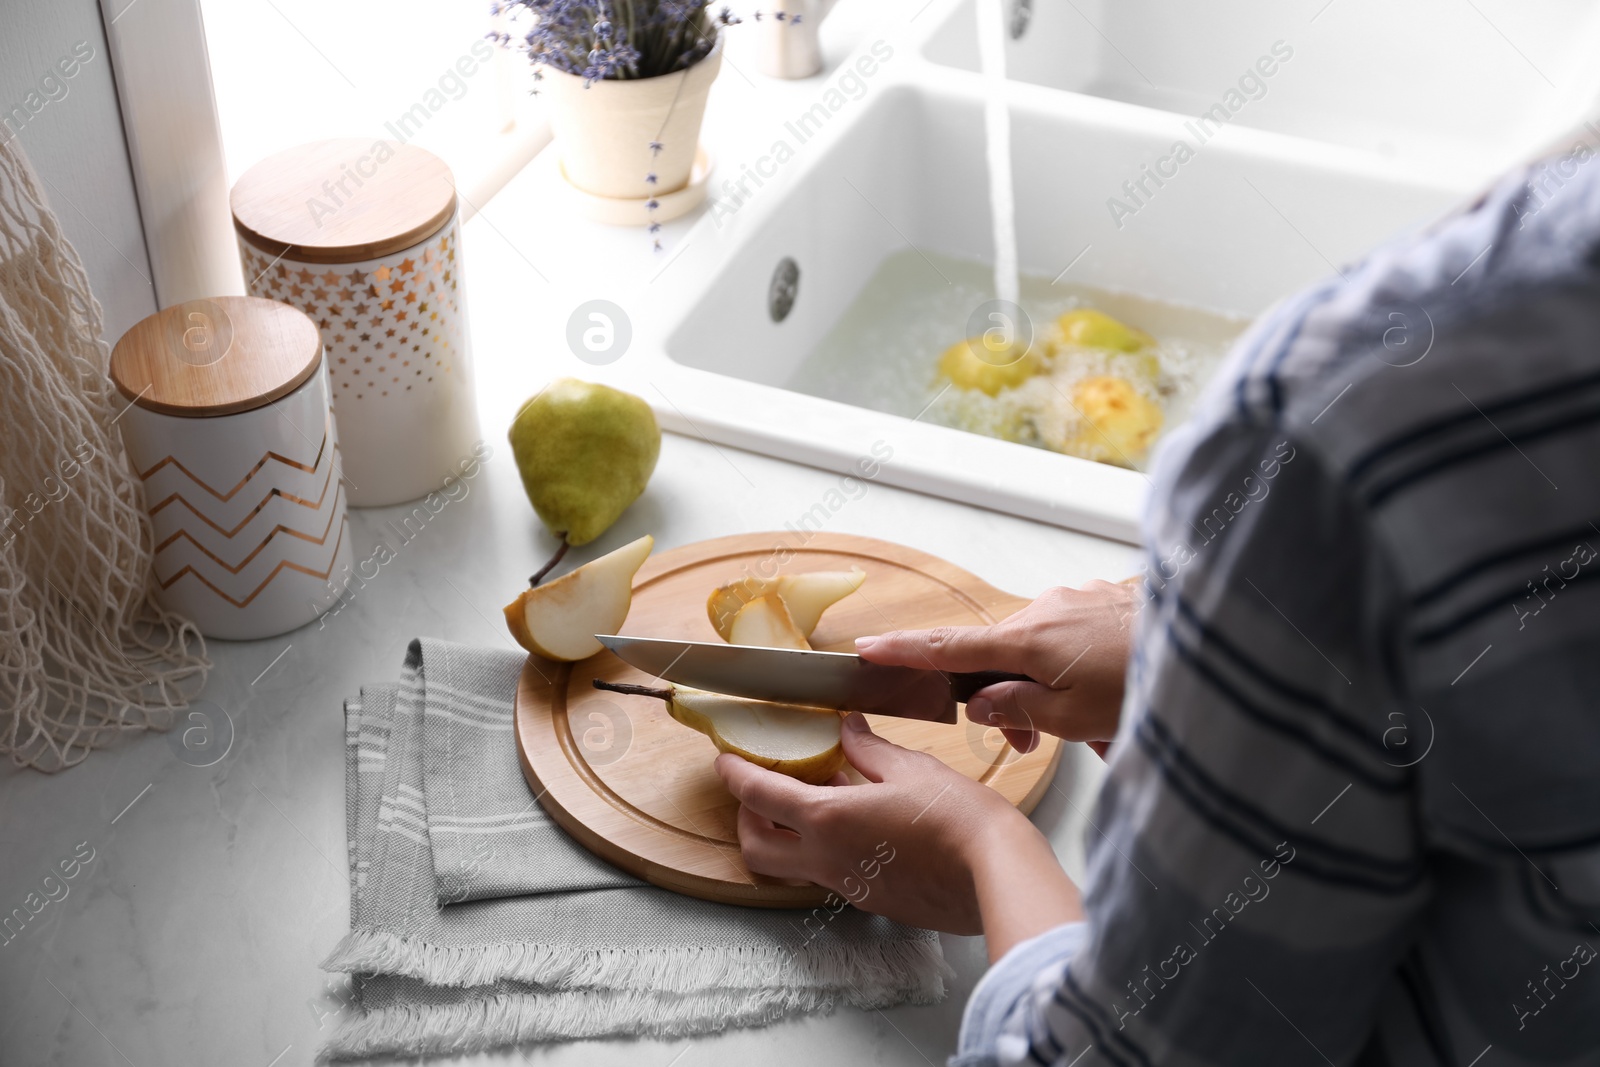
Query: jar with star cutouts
363,236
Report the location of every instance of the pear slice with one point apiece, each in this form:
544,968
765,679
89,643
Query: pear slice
725,602
766,622
792,739
558,620
806,596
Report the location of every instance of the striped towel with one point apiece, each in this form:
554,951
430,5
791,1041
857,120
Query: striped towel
475,922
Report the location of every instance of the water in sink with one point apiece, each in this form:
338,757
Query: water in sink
884,353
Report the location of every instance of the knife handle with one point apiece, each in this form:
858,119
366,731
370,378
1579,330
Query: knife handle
964,684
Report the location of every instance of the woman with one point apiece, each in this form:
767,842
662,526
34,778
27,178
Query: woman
1351,813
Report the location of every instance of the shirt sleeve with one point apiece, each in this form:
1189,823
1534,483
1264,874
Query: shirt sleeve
1012,979
1254,858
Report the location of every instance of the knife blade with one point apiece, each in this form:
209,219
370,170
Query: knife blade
839,680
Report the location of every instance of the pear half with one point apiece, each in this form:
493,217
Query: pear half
806,596
558,620
801,742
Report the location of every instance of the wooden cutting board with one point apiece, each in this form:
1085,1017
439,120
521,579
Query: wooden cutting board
637,788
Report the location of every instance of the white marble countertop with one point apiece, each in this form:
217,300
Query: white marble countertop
193,934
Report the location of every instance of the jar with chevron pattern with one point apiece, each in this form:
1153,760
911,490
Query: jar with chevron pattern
364,237
230,429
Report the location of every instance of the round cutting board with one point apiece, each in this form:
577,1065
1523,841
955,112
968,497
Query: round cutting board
637,788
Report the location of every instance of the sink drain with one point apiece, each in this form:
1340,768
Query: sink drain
783,288
1021,15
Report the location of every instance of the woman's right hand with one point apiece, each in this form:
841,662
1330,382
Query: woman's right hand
1074,643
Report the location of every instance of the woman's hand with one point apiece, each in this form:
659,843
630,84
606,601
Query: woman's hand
1074,643
919,842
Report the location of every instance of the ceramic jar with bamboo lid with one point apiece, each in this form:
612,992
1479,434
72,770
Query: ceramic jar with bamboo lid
230,430
363,236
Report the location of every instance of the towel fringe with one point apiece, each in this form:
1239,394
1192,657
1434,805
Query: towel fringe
879,974
506,1019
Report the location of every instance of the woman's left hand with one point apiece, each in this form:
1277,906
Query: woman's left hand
918,842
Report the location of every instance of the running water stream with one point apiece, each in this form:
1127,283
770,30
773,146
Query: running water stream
997,128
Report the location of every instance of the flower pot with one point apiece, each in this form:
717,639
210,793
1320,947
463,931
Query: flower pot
603,133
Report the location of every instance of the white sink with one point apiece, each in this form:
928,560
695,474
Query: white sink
1442,87
1252,217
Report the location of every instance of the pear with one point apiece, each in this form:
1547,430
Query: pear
792,739
979,363
806,596
1122,423
766,623
585,452
1095,329
558,621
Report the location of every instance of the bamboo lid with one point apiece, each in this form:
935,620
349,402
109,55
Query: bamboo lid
343,201
216,357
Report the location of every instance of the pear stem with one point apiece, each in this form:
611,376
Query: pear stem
551,564
634,690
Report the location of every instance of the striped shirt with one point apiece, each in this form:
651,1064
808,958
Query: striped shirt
1352,815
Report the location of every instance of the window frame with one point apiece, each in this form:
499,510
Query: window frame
175,147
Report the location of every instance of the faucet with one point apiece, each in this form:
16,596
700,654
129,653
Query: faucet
788,37
788,34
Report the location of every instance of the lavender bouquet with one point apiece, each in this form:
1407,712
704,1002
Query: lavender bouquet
614,39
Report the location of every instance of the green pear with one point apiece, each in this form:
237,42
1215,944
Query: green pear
585,453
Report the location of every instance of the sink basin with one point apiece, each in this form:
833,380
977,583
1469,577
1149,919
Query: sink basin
1238,226
1439,86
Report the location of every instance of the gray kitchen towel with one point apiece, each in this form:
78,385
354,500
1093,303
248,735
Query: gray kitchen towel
580,949
490,837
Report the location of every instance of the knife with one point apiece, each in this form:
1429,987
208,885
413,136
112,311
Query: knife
839,680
